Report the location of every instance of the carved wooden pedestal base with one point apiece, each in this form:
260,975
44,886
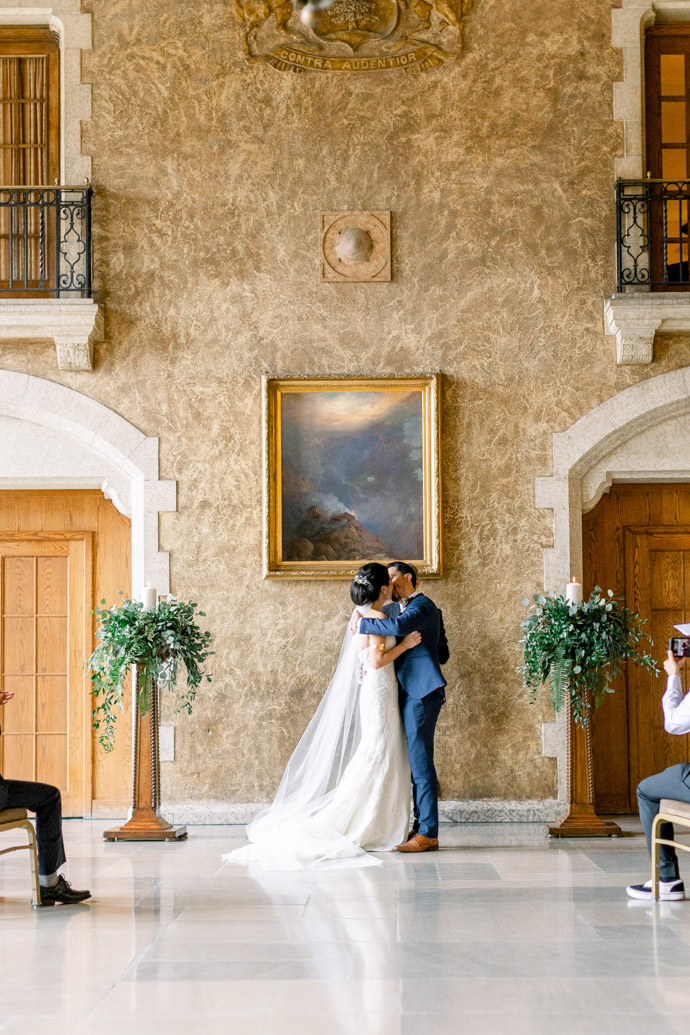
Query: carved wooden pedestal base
146,825
145,822
581,819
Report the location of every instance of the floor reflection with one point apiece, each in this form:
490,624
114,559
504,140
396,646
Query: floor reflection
502,931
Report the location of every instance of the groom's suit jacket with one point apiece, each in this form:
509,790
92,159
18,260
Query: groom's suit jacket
419,669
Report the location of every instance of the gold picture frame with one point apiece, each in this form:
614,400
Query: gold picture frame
336,447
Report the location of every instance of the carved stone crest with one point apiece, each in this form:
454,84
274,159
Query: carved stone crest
353,35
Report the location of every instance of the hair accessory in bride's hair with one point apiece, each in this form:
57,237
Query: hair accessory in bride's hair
362,580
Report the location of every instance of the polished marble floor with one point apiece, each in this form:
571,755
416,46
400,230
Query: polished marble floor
500,932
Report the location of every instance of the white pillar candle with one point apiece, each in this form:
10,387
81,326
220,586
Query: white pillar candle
573,592
148,597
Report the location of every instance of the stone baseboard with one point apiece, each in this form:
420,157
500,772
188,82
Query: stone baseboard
489,811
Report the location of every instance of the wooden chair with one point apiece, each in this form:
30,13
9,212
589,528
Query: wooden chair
16,819
676,812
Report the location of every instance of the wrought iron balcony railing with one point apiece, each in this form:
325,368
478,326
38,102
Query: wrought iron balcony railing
652,241
45,242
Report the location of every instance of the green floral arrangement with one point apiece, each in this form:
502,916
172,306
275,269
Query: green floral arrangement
157,640
580,648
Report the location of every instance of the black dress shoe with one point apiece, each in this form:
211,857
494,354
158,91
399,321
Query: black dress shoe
62,892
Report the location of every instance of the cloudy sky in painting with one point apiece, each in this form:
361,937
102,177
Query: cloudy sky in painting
356,451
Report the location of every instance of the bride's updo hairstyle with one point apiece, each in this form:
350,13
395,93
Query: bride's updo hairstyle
368,583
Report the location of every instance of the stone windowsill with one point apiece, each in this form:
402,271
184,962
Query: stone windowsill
73,324
636,317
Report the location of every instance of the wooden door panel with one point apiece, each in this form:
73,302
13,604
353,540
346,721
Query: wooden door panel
19,650
51,704
652,572
51,585
51,759
18,756
603,555
19,586
51,645
107,777
637,582
658,564
43,654
666,580
20,717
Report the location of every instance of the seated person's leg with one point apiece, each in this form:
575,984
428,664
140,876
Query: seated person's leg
46,802
669,784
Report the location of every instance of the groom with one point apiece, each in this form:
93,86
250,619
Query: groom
422,693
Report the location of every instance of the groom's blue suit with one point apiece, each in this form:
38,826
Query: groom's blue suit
422,693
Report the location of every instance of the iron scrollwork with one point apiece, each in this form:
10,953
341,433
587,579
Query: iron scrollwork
652,240
45,241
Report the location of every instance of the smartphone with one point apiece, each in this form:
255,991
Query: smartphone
680,646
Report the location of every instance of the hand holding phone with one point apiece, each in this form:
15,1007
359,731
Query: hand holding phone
671,666
679,646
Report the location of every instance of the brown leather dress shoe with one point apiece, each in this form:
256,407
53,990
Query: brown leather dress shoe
419,843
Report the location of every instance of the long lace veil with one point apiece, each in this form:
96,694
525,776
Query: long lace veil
293,832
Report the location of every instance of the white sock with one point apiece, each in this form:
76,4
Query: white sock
48,880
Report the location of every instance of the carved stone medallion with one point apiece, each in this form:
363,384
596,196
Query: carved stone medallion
356,246
353,35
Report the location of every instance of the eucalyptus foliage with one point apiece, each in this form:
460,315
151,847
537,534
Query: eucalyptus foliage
157,640
581,648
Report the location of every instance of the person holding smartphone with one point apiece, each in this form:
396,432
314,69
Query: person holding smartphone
673,783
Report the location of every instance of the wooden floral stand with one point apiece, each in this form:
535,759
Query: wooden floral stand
581,819
145,822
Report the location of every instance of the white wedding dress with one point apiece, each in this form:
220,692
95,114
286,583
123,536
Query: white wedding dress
346,789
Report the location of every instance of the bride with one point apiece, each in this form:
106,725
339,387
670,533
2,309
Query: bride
346,790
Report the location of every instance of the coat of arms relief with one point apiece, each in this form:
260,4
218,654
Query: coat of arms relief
353,35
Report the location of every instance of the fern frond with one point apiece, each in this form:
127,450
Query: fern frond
559,678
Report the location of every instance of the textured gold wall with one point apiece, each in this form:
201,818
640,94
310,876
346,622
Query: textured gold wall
210,177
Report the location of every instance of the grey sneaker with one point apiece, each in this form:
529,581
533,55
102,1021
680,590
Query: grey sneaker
669,890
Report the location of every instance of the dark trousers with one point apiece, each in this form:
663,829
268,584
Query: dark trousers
419,718
45,801
673,783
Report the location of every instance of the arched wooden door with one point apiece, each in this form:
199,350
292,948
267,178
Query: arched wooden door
60,553
45,635
636,541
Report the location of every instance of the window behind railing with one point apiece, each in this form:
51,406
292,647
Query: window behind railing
29,155
667,107
45,227
30,101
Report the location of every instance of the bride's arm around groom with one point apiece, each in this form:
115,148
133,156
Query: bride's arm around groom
423,661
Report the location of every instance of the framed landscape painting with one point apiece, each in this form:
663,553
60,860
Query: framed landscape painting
352,474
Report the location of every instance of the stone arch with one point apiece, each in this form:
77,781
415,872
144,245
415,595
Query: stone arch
640,434
55,437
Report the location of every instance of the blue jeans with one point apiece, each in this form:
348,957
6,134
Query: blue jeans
419,718
673,783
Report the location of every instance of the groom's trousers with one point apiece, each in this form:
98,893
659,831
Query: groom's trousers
420,717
